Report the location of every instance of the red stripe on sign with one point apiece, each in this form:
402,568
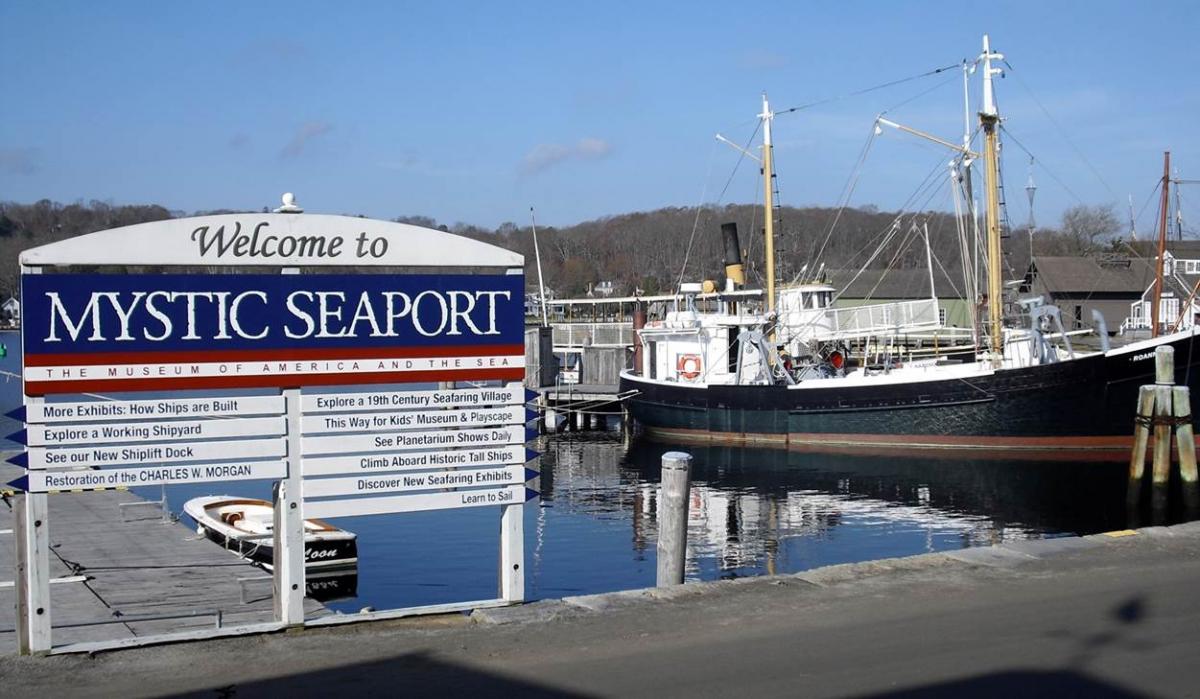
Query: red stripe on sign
40,388
266,355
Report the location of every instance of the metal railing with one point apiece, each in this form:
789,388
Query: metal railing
593,334
879,319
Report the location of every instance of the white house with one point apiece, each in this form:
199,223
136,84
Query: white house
10,311
1180,302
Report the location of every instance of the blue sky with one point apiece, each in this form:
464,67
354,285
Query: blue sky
474,112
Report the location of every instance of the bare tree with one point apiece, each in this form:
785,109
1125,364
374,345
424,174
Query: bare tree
1090,227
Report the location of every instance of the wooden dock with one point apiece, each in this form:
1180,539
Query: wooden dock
579,406
129,567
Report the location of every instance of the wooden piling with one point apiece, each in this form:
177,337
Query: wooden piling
1162,436
1164,366
673,517
1141,433
1185,439
1164,379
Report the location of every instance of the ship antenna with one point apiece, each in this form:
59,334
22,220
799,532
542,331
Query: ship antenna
1030,191
1132,222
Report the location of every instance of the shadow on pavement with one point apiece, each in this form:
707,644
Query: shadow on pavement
1069,682
1055,683
414,675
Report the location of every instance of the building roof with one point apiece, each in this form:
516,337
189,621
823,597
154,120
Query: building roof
1089,275
892,284
1179,249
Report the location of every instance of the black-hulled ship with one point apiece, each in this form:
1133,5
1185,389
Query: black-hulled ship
789,374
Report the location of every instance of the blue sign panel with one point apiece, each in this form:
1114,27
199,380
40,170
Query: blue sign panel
146,332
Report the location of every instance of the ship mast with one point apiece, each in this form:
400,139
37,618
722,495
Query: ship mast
1162,245
989,121
769,204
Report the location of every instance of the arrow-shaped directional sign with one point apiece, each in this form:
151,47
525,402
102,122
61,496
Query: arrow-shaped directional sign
119,432
326,509
418,461
403,482
395,441
88,479
98,410
319,403
163,453
409,420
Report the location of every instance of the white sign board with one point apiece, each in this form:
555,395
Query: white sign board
401,482
154,431
416,461
511,495
174,452
415,400
455,417
395,441
283,239
95,410
51,481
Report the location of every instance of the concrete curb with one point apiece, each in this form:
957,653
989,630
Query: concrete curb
1041,548
848,572
543,611
1008,555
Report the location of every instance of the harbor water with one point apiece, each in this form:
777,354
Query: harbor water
753,512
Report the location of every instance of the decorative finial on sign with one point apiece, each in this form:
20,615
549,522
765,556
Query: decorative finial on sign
289,205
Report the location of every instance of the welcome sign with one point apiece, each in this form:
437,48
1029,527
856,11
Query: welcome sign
456,314
90,332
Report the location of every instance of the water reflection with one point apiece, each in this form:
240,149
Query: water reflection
759,511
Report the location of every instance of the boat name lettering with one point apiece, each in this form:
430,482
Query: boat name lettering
1140,357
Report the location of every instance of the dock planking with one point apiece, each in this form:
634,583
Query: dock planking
135,568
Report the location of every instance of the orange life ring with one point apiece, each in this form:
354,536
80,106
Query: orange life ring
688,366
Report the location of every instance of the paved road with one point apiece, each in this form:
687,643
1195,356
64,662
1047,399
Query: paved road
1095,617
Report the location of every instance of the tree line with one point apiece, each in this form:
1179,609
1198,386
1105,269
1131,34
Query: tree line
645,252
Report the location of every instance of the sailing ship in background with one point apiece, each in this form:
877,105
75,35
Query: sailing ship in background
784,375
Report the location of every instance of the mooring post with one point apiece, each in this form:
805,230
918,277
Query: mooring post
1141,435
1185,440
1164,379
673,517
1185,443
